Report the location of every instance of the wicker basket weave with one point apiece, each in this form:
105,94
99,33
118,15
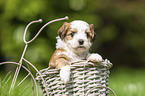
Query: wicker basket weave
86,78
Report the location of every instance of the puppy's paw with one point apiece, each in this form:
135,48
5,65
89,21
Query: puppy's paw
65,74
94,57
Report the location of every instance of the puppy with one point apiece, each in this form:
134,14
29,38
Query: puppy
73,44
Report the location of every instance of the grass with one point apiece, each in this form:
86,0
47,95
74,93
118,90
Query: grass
128,82
25,89
124,81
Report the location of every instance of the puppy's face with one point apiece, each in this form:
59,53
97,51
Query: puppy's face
78,35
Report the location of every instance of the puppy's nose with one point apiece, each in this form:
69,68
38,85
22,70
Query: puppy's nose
81,42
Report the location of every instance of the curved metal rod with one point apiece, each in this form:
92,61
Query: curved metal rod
24,38
65,18
26,70
38,73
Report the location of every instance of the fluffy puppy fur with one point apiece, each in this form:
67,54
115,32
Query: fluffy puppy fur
73,43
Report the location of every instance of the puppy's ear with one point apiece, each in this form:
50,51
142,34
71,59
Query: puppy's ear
93,34
63,30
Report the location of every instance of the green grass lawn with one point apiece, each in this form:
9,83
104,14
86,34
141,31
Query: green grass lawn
128,82
124,81
25,89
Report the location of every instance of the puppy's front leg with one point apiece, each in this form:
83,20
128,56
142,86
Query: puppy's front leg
64,67
65,74
94,57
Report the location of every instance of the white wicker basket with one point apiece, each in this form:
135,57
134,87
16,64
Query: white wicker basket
86,79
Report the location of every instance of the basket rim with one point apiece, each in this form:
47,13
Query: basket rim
105,63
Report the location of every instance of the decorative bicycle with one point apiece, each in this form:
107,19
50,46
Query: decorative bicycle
86,77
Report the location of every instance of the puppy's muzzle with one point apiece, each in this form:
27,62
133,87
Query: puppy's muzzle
81,41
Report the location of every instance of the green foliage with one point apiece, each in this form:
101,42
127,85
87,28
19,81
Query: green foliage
127,82
119,25
25,89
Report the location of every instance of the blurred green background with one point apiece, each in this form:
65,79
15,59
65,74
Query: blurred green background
119,25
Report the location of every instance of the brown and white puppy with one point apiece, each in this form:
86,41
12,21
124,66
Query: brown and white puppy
73,44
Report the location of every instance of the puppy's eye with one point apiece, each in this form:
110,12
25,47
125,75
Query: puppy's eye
87,35
72,34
